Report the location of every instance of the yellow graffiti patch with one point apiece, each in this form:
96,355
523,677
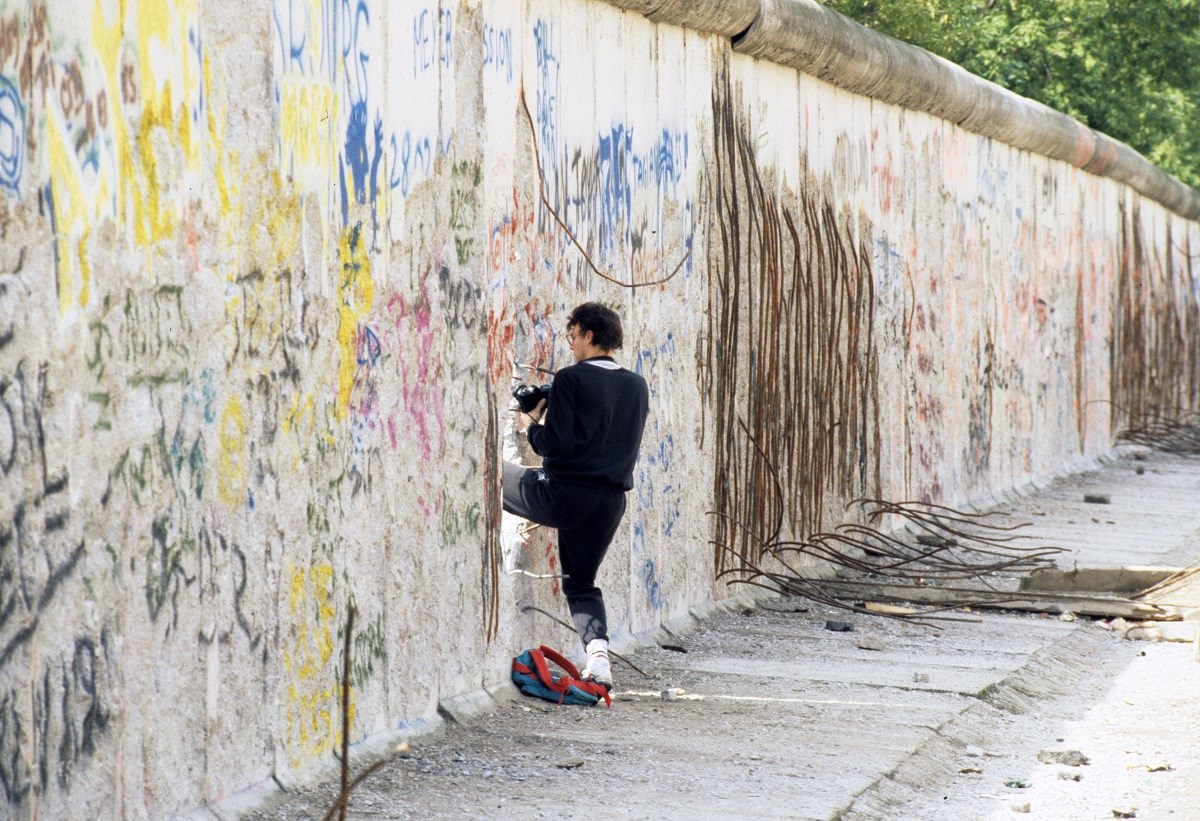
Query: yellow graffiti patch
160,37
73,213
234,473
356,293
305,430
313,693
308,112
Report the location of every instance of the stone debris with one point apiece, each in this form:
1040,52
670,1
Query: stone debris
784,606
1183,632
871,643
1068,758
839,626
569,764
1021,807
1096,499
1066,776
889,609
933,540
971,771
1068,616
1152,768
1128,812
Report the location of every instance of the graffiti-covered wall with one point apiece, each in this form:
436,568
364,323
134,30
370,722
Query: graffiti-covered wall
270,268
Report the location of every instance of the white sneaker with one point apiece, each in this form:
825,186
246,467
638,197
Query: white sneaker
598,669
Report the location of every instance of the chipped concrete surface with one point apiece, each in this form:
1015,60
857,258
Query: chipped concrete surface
782,718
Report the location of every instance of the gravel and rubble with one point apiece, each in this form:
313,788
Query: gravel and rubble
769,714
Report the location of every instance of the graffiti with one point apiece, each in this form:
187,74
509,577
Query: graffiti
309,428
52,721
38,554
220,560
547,94
261,319
370,649
155,325
28,58
307,109
465,178
233,468
139,468
463,301
412,160
165,575
356,293
536,335
498,51
34,564
602,191
513,238
413,336
312,695
49,730
458,525
433,39
12,137
364,142
502,330
657,462
646,572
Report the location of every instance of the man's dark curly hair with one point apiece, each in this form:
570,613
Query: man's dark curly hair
602,321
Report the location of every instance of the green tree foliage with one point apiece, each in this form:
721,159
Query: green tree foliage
1128,68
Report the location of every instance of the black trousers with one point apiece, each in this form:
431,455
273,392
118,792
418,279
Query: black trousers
586,519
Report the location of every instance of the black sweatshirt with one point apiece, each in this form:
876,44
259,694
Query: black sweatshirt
594,416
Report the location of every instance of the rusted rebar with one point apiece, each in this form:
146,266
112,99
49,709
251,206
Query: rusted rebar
788,366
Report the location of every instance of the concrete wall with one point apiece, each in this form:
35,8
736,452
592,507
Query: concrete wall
265,270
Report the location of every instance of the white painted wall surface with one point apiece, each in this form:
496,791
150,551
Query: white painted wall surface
265,270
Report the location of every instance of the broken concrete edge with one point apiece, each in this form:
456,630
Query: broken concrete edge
1123,580
1079,604
1047,672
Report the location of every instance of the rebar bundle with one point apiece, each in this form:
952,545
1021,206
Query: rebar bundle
937,544
1170,434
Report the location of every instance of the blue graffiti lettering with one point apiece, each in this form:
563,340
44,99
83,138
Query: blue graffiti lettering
354,54
12,136
433,39
497,51
412,160
547,91
369,348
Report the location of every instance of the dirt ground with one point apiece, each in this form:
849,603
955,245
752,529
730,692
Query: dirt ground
781,717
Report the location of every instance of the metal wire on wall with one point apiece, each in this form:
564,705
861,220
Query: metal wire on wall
788,365
1155,354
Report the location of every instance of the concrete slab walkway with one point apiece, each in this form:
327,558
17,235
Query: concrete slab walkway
782,718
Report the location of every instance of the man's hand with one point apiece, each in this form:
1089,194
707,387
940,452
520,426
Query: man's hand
537,413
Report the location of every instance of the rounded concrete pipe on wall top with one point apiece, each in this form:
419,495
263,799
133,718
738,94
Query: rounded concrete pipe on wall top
810,38
725,17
